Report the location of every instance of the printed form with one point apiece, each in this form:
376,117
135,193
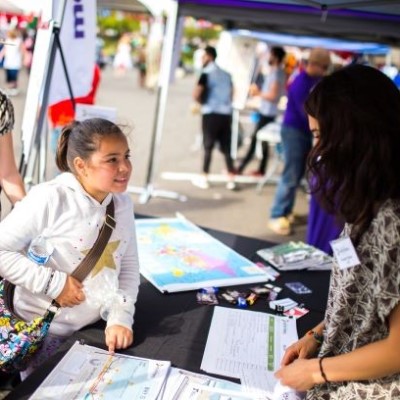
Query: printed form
243,344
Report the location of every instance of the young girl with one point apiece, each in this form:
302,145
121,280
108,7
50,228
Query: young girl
69,210
355,116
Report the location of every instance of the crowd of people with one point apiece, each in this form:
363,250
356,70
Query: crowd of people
342,128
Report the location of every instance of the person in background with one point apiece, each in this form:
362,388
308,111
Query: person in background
94,158
214,91
123,58
354,114
296,140
10,179
273,88
12,54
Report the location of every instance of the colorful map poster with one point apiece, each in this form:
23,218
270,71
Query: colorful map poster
176,255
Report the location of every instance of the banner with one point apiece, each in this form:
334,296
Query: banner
78,42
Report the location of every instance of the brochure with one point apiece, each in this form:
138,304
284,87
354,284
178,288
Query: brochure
296,256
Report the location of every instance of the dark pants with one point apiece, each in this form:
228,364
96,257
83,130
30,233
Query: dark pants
264,120
217,129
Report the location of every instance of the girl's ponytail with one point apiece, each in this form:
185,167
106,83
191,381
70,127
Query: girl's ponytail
62,148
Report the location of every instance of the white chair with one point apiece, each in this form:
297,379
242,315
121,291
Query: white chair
270,133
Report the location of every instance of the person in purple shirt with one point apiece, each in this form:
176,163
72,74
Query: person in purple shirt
296,140
322,226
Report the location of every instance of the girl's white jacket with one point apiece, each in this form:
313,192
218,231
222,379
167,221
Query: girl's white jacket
73,219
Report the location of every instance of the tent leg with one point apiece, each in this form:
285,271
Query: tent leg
147,192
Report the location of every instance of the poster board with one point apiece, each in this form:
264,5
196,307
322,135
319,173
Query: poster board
176,255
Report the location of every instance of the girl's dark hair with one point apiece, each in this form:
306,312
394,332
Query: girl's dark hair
356,161
81,139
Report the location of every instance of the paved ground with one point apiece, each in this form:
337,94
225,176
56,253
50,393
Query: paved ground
243,211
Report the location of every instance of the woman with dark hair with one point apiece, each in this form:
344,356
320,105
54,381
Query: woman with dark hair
354,353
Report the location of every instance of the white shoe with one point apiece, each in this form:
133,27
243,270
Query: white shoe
201,182
13,92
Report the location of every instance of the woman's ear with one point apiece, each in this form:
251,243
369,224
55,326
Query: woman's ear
80,166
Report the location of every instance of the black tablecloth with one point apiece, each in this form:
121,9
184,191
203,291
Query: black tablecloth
175,327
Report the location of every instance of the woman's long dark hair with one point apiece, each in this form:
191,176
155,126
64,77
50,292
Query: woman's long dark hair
356,162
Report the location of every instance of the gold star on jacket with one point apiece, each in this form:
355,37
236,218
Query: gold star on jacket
106,259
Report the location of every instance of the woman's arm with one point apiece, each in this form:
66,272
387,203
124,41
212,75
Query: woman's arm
306,347
372,361
10,179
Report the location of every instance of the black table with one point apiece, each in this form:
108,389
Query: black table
175,327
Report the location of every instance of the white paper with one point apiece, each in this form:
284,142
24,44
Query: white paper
241,339
262,384
345,253
185,385
87,372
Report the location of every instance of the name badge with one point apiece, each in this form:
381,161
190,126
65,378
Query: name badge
345,253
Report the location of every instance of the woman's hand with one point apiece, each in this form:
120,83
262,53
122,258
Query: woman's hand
300,375
118,337
72,293
306,347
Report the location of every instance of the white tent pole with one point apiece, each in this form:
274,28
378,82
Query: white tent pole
161,102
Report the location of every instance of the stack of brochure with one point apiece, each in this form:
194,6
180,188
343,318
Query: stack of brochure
296,256
87,372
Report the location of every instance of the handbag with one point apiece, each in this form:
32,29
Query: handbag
19,339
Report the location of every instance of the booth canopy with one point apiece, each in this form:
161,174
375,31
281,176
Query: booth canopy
280,39
9,7
363,20
135,6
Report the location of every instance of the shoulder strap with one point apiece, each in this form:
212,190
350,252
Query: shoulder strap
90,260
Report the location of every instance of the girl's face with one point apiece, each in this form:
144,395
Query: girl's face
108,169
314,128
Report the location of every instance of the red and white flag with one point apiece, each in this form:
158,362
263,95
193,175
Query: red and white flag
78,41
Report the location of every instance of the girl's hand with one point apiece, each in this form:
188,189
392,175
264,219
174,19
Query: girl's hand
300,375
118,337
306,347
72,293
